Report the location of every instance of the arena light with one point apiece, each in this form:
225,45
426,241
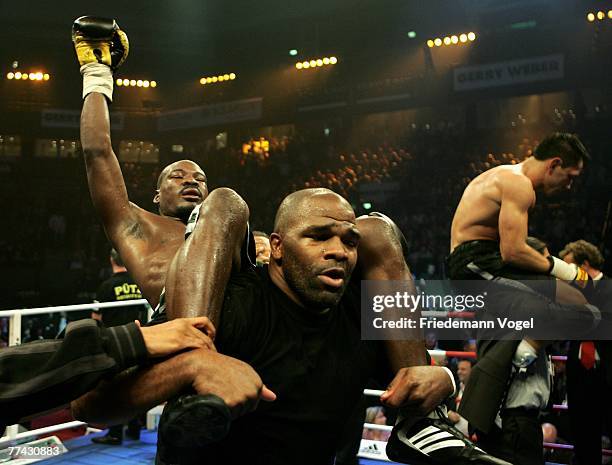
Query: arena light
293,52
219,78
411,34
316,62
455,39
599,15
142,83
31,76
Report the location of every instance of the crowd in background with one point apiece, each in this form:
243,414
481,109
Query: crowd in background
53,249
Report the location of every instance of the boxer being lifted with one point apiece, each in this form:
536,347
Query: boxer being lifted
148,242
488,240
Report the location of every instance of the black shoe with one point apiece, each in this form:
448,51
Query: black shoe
194,420
133,434
108,440
435,441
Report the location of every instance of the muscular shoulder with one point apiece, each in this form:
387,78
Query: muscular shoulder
515,186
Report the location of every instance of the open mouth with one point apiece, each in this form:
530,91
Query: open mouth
333,277
191,193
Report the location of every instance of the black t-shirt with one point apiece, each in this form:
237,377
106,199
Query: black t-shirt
117,288
315,363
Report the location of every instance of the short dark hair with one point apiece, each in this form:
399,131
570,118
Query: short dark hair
583,251
116,257
563,145
260,234
536,244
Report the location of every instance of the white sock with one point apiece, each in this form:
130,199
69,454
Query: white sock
97,78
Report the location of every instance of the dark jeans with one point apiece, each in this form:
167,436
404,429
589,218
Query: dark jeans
520,439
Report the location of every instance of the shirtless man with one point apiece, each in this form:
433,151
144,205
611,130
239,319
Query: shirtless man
488,239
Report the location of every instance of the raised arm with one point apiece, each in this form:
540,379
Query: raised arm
104,177
101,47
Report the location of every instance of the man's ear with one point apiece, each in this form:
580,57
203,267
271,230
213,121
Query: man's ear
156,198
554,162
276,246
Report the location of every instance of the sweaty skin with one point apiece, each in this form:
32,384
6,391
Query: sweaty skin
147,242
495,206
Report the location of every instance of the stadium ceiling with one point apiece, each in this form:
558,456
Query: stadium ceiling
175,39
184,35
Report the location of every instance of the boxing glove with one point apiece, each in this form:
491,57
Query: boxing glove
99,40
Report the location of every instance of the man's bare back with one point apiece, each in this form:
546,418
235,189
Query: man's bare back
477,215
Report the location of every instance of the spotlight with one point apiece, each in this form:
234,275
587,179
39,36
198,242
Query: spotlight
119,82
430,43
600,15
226,77
333,60
203,81
146,83
313,63
298,65
17,75
10,75
447,40
208,80
326,61
590,17
46,77
454,39
32,76
293,52
153,83
214,79
39,76
139,83
610,14
471,36
463,38
319,62
232,76
438,42
132,82
305,65
24,77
